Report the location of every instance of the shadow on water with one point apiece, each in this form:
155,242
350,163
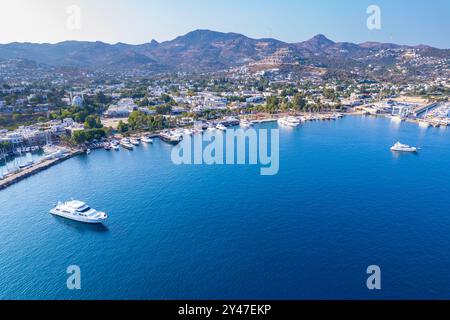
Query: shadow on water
82,227
397,155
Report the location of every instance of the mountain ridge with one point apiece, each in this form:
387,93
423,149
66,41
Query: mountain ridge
200,50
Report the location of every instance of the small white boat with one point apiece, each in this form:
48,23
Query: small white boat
399,147
27,165
221,127
147,140
115,147
78,211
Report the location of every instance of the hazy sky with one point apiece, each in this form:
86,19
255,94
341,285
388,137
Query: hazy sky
139,21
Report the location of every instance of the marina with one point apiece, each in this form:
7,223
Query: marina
221,150
32,169
173,137
156,233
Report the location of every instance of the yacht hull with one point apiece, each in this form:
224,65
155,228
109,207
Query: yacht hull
410,150
76,218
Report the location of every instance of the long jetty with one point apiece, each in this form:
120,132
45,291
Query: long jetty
36,168
419,110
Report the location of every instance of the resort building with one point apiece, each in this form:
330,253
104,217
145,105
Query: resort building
122,109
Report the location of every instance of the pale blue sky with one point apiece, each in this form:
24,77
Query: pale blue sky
139,21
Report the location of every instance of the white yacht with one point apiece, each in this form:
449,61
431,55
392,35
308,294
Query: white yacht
146,139
289,121
115,147
172,137
221,127
55,155
398,147
78,211
134,142
27,165
126,143
245,123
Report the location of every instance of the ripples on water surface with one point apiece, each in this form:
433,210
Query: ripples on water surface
341,202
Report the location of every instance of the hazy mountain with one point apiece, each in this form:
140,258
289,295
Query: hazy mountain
204,50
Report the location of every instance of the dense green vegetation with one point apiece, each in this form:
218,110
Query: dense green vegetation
140,121
5,146
299,102
83,136
16,119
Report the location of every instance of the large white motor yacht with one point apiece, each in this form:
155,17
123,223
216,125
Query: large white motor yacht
126,143
172,137
398,147
78,211
289,121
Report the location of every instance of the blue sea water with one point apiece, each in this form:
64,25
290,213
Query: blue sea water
340,203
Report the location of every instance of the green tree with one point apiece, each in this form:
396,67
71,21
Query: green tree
79,136
122,127
92,122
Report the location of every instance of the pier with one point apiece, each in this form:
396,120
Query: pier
19,176
420,110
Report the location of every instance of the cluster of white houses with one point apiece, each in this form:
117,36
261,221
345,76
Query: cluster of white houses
40,134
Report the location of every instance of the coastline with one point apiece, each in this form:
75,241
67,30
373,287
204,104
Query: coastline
260,118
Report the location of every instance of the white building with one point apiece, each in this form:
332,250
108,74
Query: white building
402,110
122,109
12,137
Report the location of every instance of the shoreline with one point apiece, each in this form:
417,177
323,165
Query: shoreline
46,164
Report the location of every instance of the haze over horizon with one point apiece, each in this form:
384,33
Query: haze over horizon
138,21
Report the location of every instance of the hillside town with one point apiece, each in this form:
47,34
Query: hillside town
30,112
57,112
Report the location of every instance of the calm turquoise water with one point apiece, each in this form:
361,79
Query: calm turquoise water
341,202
